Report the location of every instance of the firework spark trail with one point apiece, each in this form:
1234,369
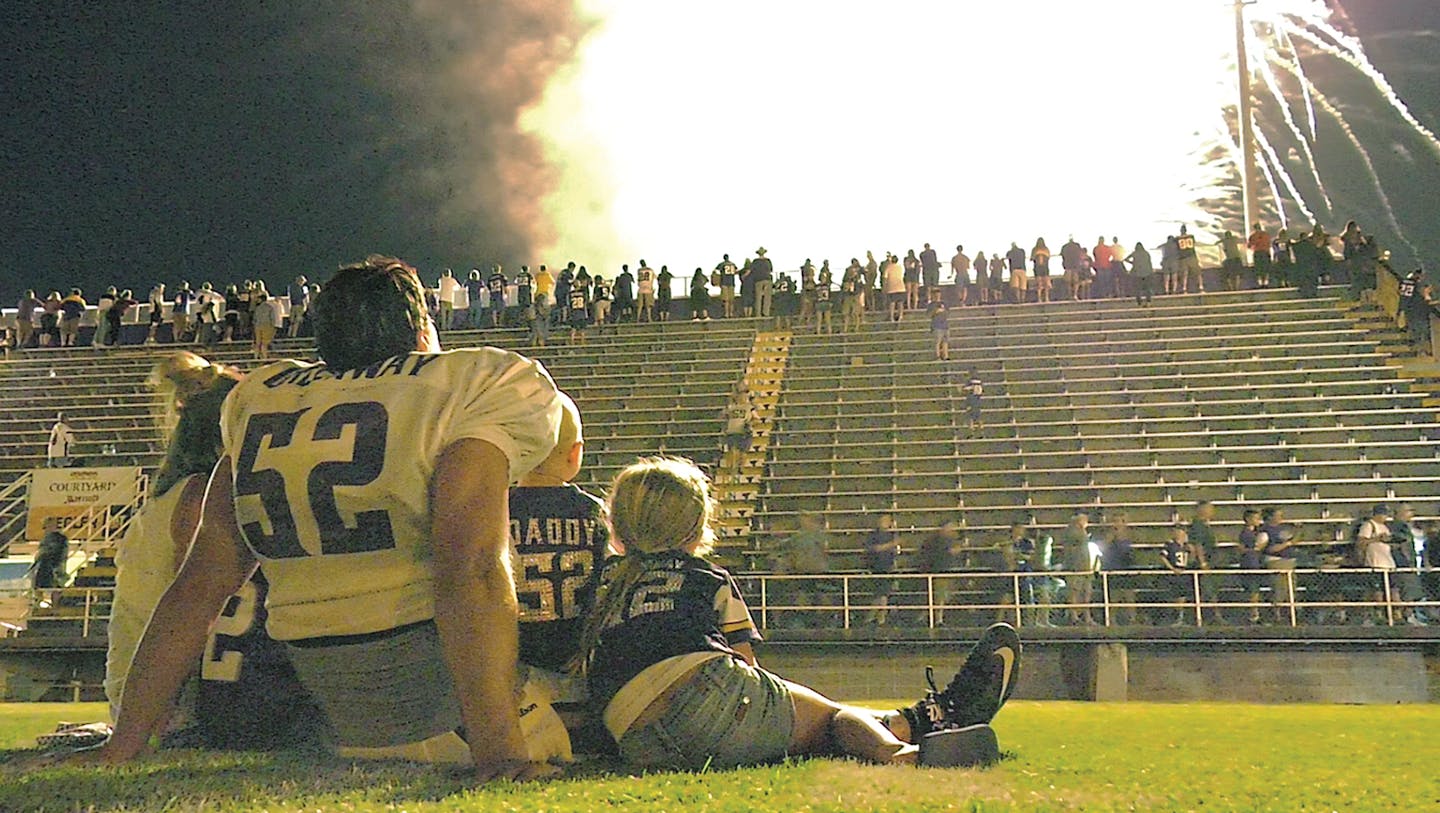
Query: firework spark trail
1305,86
1272,158
1350,52
1271,82
1364,154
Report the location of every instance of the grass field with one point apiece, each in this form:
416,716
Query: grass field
1064,756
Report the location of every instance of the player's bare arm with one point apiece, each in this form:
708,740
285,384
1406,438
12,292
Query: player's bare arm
475,608
174,640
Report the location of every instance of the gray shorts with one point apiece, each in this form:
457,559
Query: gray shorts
728,714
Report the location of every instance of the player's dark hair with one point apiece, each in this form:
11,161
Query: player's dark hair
368,312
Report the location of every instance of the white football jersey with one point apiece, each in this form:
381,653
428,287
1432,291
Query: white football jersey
332,475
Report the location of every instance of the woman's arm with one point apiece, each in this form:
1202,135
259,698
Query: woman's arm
174,640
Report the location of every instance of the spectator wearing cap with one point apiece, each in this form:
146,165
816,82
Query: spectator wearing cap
762,276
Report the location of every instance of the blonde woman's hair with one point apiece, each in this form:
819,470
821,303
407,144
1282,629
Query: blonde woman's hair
656,505
178,377
194,390
659,504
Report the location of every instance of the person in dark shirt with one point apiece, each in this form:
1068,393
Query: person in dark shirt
663,293
700,295
940,328
725,274
939,553
72,308
624,293
1277,545
974,391
1250,546
1143,269
882,546
49,568
116,315
1033,550
930,272
495,284
524,288
1182,555
1117,553
560,314
475,288
762,277
1201,537
670,661
1402,544
560,541
824,303
1187,262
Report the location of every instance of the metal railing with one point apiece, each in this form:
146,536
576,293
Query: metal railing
14,506
1286,597
87,607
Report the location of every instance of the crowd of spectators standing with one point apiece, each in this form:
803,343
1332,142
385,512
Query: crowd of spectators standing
1243,579
811,296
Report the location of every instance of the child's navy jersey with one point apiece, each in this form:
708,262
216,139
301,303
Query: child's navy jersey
559,539
682,604
249,696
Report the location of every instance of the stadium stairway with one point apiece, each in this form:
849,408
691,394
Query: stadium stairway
1255,397
737,483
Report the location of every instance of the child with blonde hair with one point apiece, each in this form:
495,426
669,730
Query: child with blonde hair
669,655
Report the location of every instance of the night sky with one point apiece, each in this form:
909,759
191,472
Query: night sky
152,141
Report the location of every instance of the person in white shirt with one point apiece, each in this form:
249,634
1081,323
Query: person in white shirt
60,445
1372,550
645,287
893,276
157,310
447,288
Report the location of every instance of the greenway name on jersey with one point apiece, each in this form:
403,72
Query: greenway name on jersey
315,451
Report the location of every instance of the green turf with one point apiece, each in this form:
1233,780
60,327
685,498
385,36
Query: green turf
1066,756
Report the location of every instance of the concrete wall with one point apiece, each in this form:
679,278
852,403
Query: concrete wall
1320,674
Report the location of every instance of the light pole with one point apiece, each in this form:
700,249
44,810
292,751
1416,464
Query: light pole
1249,187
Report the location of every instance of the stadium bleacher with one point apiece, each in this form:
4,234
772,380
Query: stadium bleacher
1250,398
1258,397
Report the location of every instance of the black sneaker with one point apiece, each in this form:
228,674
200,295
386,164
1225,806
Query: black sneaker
978,690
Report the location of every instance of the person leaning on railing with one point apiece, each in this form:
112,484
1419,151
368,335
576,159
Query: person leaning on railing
1403,547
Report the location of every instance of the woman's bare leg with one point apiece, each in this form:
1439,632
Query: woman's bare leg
824,727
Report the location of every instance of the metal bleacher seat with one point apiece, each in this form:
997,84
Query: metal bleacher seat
1259,398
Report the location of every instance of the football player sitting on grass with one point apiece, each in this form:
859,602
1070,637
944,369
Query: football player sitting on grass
372,491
